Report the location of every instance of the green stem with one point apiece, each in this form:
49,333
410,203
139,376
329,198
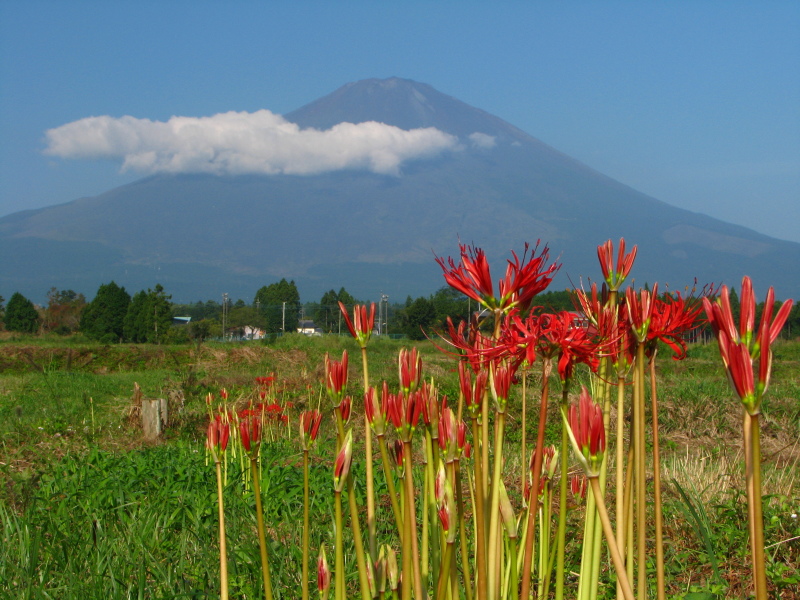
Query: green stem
371,523
480,527
410,522
616,557
462,529
223,552
758,516
527,562
339,561
561,532
657,484
444,573
641,491
262,540
306,523
355,526
494,506
620,470
387,470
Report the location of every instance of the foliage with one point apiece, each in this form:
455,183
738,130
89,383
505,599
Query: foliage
63,312
104,317
279,304
21,314
149,316
327,314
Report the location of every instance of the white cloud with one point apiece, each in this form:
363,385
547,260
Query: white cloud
482,140
241,142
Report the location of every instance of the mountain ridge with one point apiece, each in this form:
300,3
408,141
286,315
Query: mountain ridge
376,233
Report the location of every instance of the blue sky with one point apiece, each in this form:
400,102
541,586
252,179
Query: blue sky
694,103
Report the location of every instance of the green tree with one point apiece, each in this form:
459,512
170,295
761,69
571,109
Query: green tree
327,313
149,316
279,305
104,317
21,315
2,310
420,316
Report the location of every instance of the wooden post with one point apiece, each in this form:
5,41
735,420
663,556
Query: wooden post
154,417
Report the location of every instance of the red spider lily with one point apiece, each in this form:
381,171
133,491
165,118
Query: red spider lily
430,405
336,377
377,412
549,463
265,381
503,377
640,311
446,504
219,431
323,572
563,335
362,324
403,412
740,349
587,432
672,317
250,433
523,279
310,421
615,277
341,467
578,485
396,451
410,368
224,394
473,391
344,409
452,435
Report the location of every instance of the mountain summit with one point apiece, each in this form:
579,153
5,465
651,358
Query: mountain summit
200,235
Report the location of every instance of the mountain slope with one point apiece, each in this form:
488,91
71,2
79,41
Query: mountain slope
201,235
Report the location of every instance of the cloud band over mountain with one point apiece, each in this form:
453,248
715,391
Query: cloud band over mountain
240,142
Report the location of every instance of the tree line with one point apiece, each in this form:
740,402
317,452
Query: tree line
114,316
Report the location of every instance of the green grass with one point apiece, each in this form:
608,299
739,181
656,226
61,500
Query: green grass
92,511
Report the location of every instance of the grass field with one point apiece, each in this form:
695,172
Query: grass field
90,510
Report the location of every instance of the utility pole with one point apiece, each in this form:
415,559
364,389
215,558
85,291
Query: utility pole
224,313
283,318
383,326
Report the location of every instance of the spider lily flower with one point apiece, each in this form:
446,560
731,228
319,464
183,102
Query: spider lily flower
362,323
224,394
323,574
472,391
430,405
445,500
309,427
452,435
250,433
523,279
344,409
409,364
672,317
404,411
501,380
341,467
640,311
740,348
217,435
377,412
578,485
615,276
549,463
336,377
587,433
